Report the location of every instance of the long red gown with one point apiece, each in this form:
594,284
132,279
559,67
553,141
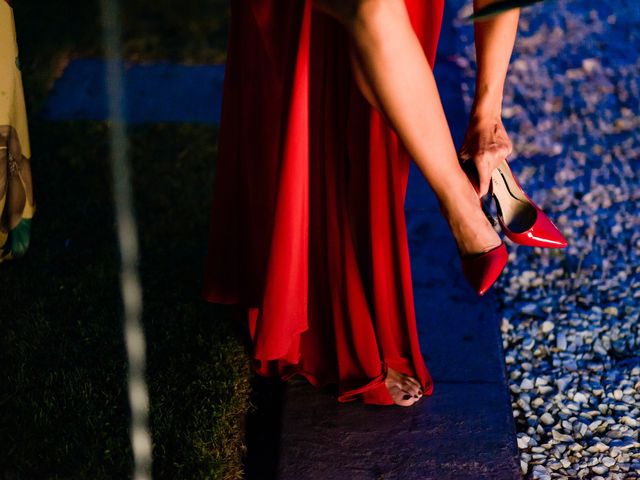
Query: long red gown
308,235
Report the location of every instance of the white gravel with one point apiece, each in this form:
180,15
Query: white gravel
570,318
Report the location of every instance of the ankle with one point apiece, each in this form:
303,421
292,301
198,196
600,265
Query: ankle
461,202
471,229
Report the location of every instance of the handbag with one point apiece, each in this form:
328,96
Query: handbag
17,205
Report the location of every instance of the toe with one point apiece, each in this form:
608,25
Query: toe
411,388
413,381
406,400
402,397
404,389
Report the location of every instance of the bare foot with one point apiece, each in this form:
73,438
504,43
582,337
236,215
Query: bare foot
404,390
472,231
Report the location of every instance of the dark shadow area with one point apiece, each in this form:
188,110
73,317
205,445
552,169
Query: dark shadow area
63,365
263,427
63,392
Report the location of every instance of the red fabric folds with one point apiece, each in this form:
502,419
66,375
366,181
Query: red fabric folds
308,235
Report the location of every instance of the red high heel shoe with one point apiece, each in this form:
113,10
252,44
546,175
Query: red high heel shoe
482,269
521,220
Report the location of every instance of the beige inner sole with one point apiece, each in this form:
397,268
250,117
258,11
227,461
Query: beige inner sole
517,213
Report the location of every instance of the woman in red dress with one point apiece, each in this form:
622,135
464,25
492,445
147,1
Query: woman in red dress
325,104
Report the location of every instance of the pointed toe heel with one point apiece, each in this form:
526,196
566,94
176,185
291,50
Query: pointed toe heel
482,269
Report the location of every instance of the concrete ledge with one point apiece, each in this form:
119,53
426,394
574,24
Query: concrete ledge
457,433
465,430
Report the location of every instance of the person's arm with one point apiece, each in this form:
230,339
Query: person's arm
494,40
486,141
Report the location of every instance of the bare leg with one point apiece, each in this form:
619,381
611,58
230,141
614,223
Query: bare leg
395,77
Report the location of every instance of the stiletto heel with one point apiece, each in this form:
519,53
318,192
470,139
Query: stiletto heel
520,218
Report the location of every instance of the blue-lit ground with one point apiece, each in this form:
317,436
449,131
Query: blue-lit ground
571,317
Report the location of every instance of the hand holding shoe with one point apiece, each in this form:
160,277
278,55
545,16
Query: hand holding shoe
486,144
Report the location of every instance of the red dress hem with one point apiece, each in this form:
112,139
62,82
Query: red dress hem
307,233
373,392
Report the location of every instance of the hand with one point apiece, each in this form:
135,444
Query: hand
485,145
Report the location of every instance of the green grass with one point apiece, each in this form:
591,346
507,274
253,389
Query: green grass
63,400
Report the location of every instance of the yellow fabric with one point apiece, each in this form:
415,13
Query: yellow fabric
12,108
17,205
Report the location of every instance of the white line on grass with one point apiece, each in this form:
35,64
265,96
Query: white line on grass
128,242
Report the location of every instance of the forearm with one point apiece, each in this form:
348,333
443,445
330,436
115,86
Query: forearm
494,40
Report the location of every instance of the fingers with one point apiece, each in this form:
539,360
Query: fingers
486,161
485,178
487,145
